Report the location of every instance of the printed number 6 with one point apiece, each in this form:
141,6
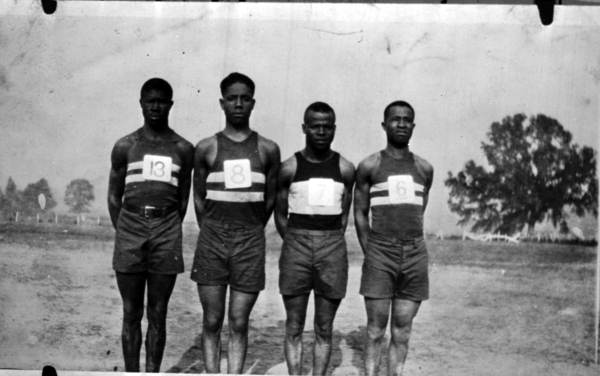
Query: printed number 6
401,189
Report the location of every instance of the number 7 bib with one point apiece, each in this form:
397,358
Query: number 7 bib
237,173
157,167
401,189
320,192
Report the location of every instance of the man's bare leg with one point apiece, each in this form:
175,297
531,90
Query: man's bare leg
378,311
132,287
240,306
325,310
403,312
295,309
160,287
212,299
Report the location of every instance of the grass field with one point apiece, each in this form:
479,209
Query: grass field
495,308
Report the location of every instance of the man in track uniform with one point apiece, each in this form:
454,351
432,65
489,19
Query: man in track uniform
394,185
148,192
235,178
311,213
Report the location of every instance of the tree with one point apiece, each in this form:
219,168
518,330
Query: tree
534,173
79,195
30,203
13,198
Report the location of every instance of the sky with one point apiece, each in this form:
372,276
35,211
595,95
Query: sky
69,82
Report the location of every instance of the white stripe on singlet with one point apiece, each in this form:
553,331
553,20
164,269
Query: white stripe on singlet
219,177
139,165
138,178
383,186
385,200
235,196
298,200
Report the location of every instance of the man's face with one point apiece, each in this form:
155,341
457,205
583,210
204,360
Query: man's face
237,103
319,130
398,125
156,105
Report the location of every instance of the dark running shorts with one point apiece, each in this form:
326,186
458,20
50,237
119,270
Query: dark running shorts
148,245
230,254
312,259
395,269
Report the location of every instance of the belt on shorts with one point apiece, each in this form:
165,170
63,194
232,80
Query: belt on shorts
149,211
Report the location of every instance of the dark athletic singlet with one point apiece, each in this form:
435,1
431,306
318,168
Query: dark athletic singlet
397,202
152,171
235,186
315,195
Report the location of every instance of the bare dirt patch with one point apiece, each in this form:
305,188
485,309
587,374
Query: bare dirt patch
495,309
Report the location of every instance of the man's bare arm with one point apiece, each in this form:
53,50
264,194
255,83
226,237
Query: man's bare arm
116,179
284,180
200,174
348,175
273,162
186,151
362,203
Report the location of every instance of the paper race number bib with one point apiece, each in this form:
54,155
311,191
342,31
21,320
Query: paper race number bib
401,189
157,167
320,192
237,173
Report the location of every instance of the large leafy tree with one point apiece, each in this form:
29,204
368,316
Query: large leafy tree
31,195
533,173
79,195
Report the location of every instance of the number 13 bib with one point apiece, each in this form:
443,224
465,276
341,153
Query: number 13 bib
157,167
401,189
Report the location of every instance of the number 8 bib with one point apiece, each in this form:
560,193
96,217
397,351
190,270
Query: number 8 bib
401,189
237,173
157,167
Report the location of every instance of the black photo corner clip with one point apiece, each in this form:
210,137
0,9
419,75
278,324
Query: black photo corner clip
49,6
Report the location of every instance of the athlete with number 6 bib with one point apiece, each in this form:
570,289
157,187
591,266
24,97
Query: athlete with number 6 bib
313,200
393,185
148,192
235,178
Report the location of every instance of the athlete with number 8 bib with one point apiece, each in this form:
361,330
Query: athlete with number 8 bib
235,178
148,192
393,185
313,200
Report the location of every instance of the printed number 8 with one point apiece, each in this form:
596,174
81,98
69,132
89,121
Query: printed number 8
237,174
157,168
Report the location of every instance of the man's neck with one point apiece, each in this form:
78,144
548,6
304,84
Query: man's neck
153,131
238,132
313,155
397,151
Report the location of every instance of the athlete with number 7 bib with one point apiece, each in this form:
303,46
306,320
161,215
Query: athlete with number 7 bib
311,213
393,185
148,193
235,177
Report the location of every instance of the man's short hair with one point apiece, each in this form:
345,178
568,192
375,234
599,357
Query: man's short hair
157,83
234,78
320,107
398,104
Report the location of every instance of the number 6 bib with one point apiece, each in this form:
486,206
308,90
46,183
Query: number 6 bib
237,173
157,167
401,189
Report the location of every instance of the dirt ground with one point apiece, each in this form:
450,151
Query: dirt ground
514,311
